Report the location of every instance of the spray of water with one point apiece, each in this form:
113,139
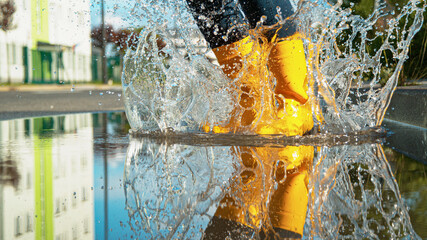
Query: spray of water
172,82
354,195
355,60
174,191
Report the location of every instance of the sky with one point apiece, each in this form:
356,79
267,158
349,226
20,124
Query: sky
117,13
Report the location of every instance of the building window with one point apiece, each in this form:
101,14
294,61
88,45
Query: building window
64,205
18,226
29,180
83,162
84,194
12,54
58,206
74,199
29,223
86,225
75,232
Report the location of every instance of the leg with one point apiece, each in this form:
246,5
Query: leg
243,58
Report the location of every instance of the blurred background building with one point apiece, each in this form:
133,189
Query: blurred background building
45,41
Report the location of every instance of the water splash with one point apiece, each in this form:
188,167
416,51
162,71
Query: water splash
172,190
171,80
355,195
182,191
355,60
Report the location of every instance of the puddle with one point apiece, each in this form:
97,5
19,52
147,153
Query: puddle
82,176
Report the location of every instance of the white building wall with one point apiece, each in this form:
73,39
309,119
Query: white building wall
17,203
11,66
69,25
73,179
72,163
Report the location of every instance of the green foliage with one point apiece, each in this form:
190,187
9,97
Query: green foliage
364,8
415,67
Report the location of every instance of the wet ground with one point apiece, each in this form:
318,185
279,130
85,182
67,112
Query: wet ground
82,176
35,101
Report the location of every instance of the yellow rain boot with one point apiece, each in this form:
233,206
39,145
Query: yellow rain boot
288,65
259,109
240,61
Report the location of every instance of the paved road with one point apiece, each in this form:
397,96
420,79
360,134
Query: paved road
24,104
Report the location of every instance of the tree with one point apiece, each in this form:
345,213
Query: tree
96,35
121,38
125,39
7,10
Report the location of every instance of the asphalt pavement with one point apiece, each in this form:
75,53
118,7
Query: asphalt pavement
38,101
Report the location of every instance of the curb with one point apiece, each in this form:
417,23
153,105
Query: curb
409,105
59,88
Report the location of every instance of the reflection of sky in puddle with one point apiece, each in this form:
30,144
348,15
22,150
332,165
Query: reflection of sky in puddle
63,171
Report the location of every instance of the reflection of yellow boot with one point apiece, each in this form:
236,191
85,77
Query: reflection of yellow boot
248,194
244,202
288,205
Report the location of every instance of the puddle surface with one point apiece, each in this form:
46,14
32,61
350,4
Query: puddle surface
82,176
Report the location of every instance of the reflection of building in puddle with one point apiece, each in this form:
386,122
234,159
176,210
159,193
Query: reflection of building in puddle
53,198
178,191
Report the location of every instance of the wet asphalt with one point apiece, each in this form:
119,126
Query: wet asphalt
39,103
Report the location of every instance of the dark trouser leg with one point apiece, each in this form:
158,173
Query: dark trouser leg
226,21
